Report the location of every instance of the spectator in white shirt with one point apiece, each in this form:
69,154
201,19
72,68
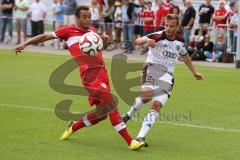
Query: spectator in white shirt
38,13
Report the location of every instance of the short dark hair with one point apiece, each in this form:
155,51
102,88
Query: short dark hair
80,8
172,17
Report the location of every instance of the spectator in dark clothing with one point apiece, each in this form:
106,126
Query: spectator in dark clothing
188,21
205,13
205,47
6,20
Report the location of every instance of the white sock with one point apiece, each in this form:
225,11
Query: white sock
147,123
138,104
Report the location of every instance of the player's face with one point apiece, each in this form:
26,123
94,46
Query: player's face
84,19
171,27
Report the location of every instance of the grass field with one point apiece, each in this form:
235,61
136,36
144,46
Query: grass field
30,130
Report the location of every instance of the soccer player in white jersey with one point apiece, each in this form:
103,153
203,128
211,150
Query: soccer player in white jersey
157,77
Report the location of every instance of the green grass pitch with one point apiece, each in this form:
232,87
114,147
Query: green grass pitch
29,129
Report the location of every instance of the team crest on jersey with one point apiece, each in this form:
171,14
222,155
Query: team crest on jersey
178,47
163,44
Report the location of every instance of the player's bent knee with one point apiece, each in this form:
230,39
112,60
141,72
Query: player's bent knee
146,94
146,97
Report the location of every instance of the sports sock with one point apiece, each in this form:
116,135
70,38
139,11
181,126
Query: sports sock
119,125
88,120
147,123
138,104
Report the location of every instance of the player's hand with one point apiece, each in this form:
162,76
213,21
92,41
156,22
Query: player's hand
198,76
18,49
105,39
151,43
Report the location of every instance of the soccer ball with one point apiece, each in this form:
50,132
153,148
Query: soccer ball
91,43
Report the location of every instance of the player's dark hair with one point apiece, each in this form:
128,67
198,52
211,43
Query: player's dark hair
172,17
79,9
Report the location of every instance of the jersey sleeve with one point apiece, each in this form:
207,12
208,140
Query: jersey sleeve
62,33
154,36
183,49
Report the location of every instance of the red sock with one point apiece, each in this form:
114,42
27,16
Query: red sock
89,120
78,125
119,125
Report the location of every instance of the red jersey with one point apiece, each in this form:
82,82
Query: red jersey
159,17
163,11
220,12
148,25
92,68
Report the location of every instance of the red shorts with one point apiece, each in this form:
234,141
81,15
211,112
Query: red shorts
98,89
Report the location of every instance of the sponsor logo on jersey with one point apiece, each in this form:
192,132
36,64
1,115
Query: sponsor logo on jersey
170,54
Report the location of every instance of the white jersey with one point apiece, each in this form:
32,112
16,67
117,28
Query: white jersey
167,51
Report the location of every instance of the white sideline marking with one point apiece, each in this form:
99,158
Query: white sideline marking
202,127
170,123
26,107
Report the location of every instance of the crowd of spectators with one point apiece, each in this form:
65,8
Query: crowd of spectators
126,20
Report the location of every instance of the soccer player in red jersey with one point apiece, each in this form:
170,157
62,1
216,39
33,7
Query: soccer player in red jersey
93,75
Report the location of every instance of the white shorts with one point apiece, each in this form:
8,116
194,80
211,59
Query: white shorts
160,81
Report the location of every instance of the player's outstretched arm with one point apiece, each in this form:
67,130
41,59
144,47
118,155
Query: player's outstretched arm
143,40
188,62
37,39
